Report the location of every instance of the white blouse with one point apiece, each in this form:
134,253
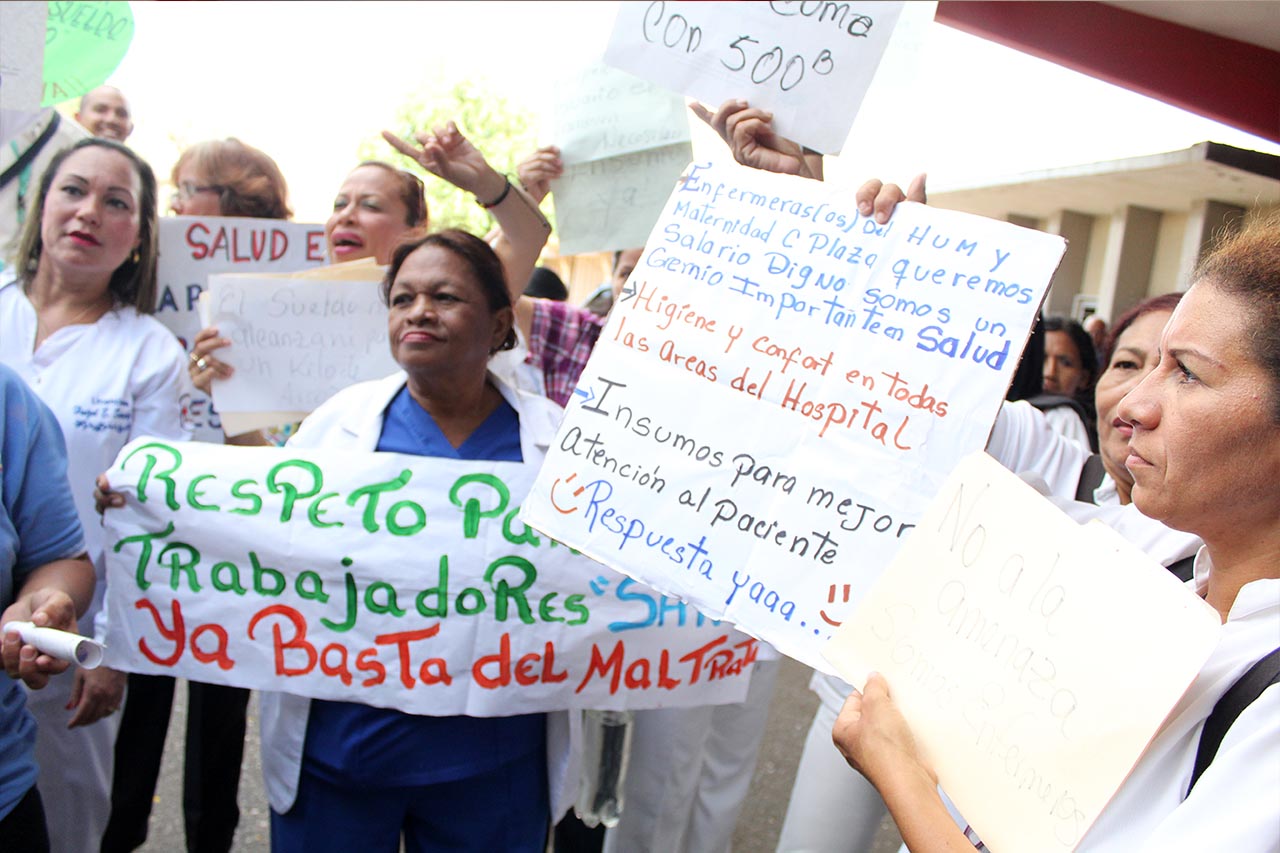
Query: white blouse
107,383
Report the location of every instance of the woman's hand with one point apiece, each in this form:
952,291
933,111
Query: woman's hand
96,693
201,364
103,497
750,136
881,199
538,170
522,229
873,736
45,608
448,154
875,739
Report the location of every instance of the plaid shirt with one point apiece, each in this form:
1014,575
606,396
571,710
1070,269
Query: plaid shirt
560,344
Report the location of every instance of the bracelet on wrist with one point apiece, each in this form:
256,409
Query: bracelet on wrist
506,189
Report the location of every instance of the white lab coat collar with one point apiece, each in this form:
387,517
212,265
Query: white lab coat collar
539,417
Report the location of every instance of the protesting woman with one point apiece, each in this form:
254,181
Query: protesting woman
225,177
221,177
346,776
1204,456
74,325
378,206
832,809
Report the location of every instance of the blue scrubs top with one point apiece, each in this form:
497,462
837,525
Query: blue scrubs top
38,524
351,743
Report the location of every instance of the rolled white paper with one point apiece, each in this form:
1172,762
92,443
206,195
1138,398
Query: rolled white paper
63,645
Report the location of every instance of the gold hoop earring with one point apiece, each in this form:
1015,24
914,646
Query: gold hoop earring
136,257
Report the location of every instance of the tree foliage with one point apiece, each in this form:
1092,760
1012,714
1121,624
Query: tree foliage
502,131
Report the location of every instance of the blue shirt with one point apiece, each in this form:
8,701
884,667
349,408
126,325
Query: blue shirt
38,524
352,743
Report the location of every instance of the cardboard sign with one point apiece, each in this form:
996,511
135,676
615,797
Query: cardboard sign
397,581
194,247
1034,657
781,389
810,64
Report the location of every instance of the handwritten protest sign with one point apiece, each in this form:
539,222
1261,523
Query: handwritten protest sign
84,43
810,64
611,204
194,247
396,581
603,112
295,343
781,389
1007,632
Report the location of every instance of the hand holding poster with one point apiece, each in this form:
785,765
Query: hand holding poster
781,389
623,141
396,581
1007,632
294,342
194,247
808,63
611,204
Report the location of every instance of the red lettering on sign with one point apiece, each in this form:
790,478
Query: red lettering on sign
297,642
402,641
177,634
219,655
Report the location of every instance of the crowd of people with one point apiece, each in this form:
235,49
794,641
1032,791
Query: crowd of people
1164,425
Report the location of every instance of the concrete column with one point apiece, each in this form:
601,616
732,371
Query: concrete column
1207,221
1068,281
1126,263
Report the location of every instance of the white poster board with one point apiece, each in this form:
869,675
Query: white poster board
21,65
810,64
602,112
194,247
1033,657
611,204
397,581
781,389
294,342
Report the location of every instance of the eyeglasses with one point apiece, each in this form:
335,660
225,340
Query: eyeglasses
188,189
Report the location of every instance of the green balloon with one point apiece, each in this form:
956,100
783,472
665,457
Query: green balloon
83,45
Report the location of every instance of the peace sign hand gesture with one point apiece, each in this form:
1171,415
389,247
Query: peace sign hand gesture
449,155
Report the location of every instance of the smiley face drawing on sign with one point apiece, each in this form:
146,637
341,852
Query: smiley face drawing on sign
576,493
